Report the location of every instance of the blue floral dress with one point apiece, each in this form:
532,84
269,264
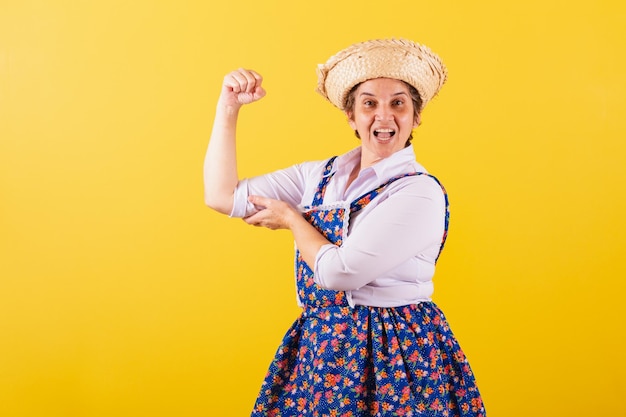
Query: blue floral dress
344,361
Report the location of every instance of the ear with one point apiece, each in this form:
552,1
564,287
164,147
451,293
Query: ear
417,121
349,115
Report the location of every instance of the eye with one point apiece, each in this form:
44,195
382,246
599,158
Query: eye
398,102
368,103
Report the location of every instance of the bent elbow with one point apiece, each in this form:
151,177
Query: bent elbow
340,285
221,205
336,272
341,281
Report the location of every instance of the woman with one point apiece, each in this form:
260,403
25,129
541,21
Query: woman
369,226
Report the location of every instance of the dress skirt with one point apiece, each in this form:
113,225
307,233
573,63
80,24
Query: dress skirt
369,361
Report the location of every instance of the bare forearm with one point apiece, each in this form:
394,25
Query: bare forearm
308,239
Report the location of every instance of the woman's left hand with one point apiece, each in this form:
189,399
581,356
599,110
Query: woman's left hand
276,214
273,214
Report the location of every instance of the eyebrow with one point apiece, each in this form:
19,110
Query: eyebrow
400,93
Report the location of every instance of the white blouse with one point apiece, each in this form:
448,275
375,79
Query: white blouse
388,254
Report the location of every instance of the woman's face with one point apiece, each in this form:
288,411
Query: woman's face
383,116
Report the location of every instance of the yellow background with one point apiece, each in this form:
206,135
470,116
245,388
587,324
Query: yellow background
122,295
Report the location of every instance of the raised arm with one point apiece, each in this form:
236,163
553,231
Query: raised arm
220,164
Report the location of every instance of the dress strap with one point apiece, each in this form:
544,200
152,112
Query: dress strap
363,200
321,187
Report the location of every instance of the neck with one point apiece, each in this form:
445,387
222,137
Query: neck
368,160
353,174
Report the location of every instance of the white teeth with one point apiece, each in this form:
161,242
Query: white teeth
384,130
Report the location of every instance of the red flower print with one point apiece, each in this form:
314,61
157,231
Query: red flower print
331,380
436,405
476,403
384,389
340,328
301,404
339,296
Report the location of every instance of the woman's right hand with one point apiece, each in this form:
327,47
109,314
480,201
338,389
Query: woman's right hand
241,87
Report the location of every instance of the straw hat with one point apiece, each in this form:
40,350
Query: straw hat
381,58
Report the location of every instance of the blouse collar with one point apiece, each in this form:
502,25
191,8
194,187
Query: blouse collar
400,162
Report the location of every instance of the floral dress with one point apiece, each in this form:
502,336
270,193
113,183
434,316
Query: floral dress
343,361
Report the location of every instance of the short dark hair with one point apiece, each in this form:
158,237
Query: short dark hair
415,98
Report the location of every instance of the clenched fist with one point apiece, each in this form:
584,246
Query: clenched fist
241,87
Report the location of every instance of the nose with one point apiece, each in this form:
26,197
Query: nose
383,113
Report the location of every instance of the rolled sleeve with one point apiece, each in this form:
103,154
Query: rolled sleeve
286,185
241,206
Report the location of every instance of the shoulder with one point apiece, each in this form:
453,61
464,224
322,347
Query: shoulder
419,180
419,184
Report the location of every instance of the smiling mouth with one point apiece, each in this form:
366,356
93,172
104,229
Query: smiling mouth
384,134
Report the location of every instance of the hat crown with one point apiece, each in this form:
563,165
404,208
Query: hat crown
400,59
